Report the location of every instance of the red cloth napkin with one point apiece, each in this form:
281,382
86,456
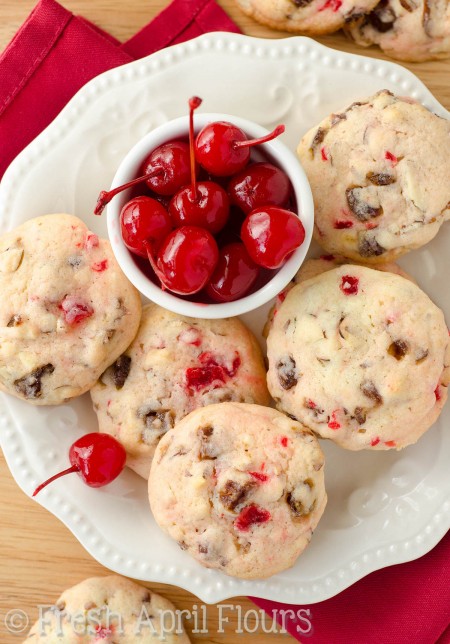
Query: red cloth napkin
55,53
51,57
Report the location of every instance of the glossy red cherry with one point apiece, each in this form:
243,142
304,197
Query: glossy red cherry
174,161
186,260
202,204
271,234
98,458
209,208
234,275
261,184
223,149
144,219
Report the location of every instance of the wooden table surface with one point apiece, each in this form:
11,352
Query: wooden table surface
39,557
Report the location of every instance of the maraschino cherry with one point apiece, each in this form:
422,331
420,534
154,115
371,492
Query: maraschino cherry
97,458
144,219
271,234
186,260
261,184
223,149
234,275
203,203
174,160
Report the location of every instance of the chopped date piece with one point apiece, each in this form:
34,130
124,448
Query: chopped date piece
383,17
380,178
407,6
121,370
318,139
337,118
206,449
360,414
250,516
369,389
369,247
202,549
16,320
362,210
287,372
296,506
160,420
301,3
233,494
398,349
30,385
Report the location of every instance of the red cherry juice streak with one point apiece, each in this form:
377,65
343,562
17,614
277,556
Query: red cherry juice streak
259,476
390,443
284,441
250,516
437,393
339,224
197,378
91,241
349,285
75,310
323,152
374,441
99,267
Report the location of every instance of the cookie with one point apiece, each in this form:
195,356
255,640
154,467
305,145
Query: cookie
413,30
305,16
109,609
240,487
379,172
175,365
67,311
316,266
361,357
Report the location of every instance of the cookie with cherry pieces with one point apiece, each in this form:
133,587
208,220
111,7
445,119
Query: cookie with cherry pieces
379,173
240,487
66,312
305,16
412,30
108,609
361,357
175,365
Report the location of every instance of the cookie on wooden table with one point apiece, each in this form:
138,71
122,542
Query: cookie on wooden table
305,16
109,609
379,173
66,310
175,365
412,30
361,357
239,487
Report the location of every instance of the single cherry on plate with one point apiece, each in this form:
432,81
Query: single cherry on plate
271,234
144,219
260,184
223,149
234,275
97,458
202,203
186,260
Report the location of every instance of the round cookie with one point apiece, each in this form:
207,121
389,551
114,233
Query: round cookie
379,175
109,609
240,487
67,311
316,266
175,365
305,16
413,30
361,357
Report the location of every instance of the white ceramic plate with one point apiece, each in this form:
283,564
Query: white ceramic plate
384,507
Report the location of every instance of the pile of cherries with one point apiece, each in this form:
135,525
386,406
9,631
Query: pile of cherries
199,192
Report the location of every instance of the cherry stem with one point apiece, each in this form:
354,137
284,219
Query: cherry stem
263,139
105,197
194,102
151,259
69,470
